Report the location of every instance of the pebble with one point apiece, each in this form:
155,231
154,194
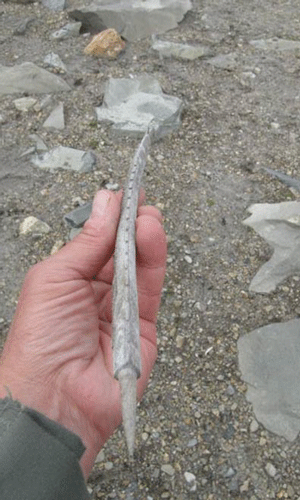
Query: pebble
192,443
191,480
57,246
24,103
254,425
168,469
270,469
229,473
179,341
100,457
54,61
32,225
188,259
108,465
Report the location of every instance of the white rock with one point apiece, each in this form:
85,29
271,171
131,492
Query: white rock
32,225
24,103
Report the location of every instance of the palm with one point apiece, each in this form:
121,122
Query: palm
58,355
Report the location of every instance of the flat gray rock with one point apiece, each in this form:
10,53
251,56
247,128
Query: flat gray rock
136,19
79,215
279,225
131,104
66,158
224,61
56,118
180,50
28,77
269,360
281,44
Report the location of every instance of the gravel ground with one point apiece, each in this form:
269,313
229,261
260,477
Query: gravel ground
197,436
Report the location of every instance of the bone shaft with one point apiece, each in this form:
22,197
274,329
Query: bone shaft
126,332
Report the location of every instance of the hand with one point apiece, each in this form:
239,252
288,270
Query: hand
58,357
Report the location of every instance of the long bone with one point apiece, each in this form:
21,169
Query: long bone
126,331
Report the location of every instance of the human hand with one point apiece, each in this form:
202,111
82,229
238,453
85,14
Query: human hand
58,357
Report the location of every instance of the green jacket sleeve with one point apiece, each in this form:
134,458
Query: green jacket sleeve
39,459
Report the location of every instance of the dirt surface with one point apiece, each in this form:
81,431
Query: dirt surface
194,416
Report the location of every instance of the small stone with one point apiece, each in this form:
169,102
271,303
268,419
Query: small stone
145,436
168,469
108,465
191,480
57,246
24,103
192,442
111,186
32,225
270,469
229,473
67,31
100,457
56,118
54,61
254,426
262,441
107,43
179,341
245,486
188,259
77,217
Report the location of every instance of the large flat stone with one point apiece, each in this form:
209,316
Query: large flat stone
269,360
279,225
131,104
28,77
136,19
67,159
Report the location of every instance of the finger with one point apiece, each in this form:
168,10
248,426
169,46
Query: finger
93,247
150,210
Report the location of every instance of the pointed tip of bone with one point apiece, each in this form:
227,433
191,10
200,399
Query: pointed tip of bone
127,378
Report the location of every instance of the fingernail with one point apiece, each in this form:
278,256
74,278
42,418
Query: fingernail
100,204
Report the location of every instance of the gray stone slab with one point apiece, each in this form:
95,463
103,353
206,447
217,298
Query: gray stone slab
136,19
56,118
280,44
66,158
269,359
28,77
224,61
131,104
180,50
79,215
279,225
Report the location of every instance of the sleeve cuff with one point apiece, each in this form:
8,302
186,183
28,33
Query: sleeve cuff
39,459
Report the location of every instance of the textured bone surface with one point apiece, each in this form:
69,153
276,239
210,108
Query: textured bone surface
126,332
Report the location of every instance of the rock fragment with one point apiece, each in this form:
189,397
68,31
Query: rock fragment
66,158
180,50
56,119
131,104
28,77
279,225
138,19
33,226
269,359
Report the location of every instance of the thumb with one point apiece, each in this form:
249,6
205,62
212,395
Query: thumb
88,252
